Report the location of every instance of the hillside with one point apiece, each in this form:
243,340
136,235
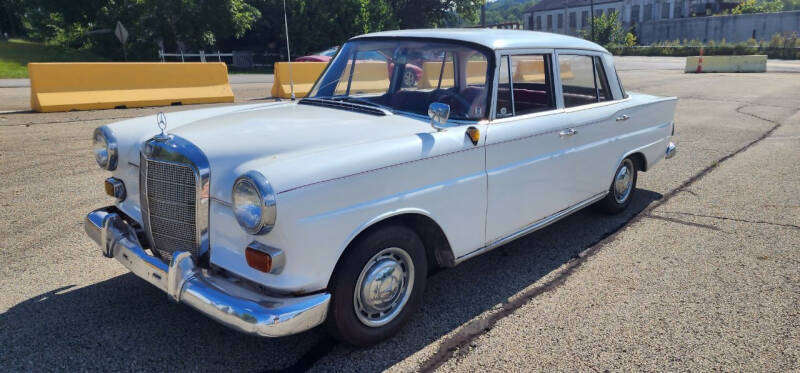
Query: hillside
502,11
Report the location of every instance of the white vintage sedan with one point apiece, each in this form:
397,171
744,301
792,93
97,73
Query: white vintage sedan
275,218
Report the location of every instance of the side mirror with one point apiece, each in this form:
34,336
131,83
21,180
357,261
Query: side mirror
439,113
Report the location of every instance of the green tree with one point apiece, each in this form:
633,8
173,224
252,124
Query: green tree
608,30
755,6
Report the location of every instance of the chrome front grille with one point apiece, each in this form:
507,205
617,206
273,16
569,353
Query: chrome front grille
172,207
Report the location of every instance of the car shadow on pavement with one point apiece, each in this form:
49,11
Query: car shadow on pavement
126,324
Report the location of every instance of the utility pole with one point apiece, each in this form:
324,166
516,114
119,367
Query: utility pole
591,17
483,14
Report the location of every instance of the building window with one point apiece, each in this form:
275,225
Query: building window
549,21
665,11
572,20
648,12
585,18
598,13
634,14
560,21
678,10
538,22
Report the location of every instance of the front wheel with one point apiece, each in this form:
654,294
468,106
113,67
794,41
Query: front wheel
377,286
622,189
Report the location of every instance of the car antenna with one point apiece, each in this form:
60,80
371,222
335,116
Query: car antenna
288,51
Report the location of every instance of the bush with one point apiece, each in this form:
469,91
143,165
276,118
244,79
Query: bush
779,46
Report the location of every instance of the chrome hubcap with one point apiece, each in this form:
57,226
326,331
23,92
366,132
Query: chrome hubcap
623,181
384,286
409,78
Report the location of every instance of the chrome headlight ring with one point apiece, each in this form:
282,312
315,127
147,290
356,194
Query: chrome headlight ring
105,148
254,203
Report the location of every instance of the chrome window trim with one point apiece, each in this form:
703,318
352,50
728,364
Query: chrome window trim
179,151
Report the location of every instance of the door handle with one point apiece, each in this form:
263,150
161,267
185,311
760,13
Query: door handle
568,132
623,118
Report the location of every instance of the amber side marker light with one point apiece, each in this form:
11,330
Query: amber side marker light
474,135
258,259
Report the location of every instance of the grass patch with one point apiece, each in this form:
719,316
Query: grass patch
15,55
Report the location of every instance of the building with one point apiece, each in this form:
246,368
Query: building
571,16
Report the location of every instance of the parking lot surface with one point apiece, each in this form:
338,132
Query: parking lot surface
701,273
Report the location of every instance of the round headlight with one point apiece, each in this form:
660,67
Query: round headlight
254,203
105,148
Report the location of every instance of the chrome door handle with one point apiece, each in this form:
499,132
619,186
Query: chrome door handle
624,117
568,132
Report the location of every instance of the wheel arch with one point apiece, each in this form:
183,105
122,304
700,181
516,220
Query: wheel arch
437,246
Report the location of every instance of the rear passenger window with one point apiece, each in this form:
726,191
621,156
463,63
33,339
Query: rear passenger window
583,80
525,85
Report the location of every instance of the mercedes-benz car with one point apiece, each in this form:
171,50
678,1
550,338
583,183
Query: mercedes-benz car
274,218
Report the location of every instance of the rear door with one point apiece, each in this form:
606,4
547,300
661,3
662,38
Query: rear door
594,119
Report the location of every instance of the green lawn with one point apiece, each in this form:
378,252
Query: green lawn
15,55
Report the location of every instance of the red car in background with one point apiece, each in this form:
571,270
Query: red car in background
411,76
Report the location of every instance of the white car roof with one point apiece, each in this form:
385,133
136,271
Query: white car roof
496,38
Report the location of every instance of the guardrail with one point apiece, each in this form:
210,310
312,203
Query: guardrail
238,59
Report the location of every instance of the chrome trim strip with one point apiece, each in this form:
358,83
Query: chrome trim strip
177,150
223,299
539,224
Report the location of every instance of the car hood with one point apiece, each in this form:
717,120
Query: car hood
260,137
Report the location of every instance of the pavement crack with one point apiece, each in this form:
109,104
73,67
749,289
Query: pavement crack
684,222
458,343
725,218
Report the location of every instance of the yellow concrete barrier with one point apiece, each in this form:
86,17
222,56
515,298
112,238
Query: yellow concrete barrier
368,77
476,74
304,75
101,85
532,71
727,64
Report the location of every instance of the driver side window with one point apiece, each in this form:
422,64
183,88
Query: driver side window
525,85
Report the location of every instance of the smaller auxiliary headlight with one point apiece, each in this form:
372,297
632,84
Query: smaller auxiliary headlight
105,148
254,203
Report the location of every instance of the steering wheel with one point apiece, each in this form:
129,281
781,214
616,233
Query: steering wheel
461,100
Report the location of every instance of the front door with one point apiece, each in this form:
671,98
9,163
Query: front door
526,147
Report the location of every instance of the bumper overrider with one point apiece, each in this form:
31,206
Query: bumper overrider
218,297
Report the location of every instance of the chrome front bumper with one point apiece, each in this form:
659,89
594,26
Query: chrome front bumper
221,298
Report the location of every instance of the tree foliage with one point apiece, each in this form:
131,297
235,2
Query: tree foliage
503,11
755,6
608,30
221,24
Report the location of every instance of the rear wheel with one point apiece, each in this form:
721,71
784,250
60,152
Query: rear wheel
622,188
377,286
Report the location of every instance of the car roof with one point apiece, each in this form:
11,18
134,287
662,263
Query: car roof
496,38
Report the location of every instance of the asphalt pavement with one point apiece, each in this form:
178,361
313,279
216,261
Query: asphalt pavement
701,273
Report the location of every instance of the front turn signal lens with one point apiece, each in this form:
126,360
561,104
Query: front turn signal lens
264,258
258,260
115,188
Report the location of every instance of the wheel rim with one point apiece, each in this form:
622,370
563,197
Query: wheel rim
623,181
409,78
384,287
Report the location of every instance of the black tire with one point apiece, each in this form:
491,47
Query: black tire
615,202
343,321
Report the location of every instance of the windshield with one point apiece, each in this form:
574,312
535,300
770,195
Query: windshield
407,75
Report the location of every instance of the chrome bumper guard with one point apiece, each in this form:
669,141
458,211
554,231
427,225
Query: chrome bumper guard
218,297
671,150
